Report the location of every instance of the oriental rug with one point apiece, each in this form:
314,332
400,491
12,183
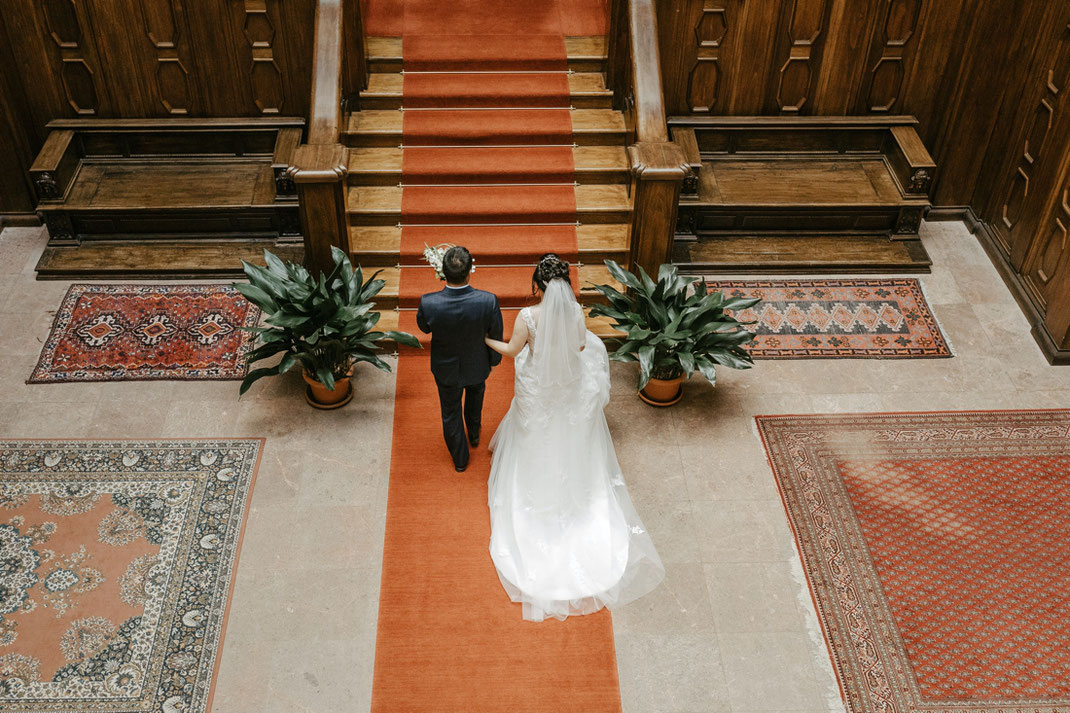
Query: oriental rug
882,318
145,332
118,561
935,548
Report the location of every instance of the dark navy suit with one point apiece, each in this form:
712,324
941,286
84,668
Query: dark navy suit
458,318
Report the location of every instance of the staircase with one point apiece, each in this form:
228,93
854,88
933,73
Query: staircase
511,151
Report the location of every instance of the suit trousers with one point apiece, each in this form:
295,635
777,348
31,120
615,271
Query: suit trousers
456,419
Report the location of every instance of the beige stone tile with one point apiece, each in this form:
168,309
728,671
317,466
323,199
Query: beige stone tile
670,673
769,671
672,527
742,531
680,605
728,470
46,420
980,283
751,597
203,418
324,677
125,419
939,286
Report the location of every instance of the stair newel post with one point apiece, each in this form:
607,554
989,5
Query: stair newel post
658,172
319,171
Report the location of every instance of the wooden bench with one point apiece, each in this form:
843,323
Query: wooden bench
802,194
165,196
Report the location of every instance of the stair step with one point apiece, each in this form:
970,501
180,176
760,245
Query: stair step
380,245
602,327
592,164
587,90
381,205
589,127
160,258
513,284
801,254
584,54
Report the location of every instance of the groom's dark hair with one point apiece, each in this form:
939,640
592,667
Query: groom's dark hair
456,264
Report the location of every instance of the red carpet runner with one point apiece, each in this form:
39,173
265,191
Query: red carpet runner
449,639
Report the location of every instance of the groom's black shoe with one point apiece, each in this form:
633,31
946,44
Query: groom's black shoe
460,468
473,440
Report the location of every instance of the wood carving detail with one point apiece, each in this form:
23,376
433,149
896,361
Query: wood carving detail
703,83
803,31
888,72
76,77
172,77
265,75
45,184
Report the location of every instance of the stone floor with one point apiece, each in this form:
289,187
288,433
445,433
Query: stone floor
731,629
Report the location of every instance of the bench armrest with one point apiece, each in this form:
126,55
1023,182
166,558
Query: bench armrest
910,162
684,137
286,144
53,170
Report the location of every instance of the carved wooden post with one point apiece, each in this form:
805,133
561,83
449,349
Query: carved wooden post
320,171
658,171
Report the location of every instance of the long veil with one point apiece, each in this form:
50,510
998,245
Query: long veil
560,336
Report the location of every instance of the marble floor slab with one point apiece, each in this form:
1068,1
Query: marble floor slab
731,629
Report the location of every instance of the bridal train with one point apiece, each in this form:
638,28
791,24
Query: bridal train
565,537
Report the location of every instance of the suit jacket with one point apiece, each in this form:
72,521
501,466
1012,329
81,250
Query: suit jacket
458,319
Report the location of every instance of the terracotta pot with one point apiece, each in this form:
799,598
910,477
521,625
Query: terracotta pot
663,392
320,396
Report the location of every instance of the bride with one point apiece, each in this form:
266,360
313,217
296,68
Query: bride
565,538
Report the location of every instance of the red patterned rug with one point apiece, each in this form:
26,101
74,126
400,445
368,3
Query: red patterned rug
880,318
142,332
936,549
117,563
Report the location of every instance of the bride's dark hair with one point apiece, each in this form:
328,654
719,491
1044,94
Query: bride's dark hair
549,267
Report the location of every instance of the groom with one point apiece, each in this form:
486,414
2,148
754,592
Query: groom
458,318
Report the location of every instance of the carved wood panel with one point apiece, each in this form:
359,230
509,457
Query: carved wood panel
717,23
804,24
163,23
1025,193
897,26
77,77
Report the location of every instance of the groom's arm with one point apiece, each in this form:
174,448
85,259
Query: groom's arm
495,331
421,320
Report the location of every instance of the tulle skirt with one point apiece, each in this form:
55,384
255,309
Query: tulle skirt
565,537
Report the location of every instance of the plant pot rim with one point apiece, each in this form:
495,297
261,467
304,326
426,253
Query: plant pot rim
678,380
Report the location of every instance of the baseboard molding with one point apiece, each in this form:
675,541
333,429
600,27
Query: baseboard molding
19,220
1047,344
954,213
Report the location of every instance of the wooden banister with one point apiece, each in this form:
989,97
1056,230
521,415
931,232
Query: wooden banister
320,165
658,166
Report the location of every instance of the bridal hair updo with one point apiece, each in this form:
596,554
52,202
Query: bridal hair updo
549,267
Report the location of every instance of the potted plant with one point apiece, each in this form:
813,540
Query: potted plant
673,331
324,324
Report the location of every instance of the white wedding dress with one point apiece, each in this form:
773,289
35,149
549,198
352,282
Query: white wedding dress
565,537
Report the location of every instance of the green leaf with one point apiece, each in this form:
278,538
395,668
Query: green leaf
687,362
254,376
281,319
324,376
257,296
621,275
708,370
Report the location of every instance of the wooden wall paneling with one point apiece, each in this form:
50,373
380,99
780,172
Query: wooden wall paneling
753,62
891,57
16,144
168,58
114,28
1012,193
698,44
1046,273
1001,40
844,55
260,28
803,27
935,61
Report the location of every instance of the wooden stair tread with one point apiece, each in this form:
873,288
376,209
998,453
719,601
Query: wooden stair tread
381,244
388,122
171,259
584,53
601,198
371,160
746,253
800,182
391,84
598,274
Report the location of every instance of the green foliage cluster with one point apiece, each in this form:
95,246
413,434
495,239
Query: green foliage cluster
323,323
672,330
